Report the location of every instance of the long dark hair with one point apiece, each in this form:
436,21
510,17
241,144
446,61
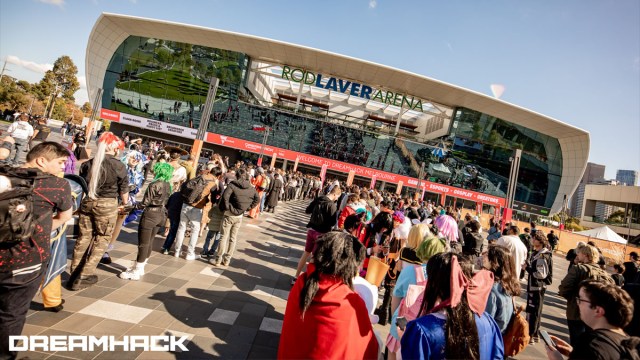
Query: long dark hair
461,333
337,254
501,265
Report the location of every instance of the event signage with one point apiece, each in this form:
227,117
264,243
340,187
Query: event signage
149,124
351,88
244,145
533,209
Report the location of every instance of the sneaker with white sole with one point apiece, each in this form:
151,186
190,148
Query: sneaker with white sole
190,257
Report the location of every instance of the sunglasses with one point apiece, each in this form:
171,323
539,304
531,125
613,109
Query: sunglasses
578,300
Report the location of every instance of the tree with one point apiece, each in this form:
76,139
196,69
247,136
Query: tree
64,75
86,109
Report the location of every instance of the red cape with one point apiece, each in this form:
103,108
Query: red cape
335,326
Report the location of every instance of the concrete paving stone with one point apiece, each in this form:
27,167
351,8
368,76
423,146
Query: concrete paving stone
122,296
247,320
29,329
78,323
231,351
161,291
254,309
118,355
211,271
47,319
33,355
239,334
110,327
152,278
267,339
263,352
260,290
157,260
224,282
224,316
97,292
145,301
282,294
271,325
173,282
76,303
115,311
162,270
112,282
66,356
145,330
159,319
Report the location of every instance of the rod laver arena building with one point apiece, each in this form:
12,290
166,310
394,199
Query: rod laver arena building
328,111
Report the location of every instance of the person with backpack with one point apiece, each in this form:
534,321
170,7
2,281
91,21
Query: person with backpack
453,323
539,268
107,178
500,304
586,269
195,194
238,197
553,240
261,183
606,309
473,241
27,210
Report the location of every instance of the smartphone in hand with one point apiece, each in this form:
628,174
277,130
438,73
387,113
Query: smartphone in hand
401,322
547,339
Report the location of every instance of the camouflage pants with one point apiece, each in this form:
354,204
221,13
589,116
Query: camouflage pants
97,221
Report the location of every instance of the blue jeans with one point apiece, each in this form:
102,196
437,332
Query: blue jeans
171,236
264,197
215,235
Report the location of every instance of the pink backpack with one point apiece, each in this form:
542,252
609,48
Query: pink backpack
411,303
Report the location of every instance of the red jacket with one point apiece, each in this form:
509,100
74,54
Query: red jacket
335,326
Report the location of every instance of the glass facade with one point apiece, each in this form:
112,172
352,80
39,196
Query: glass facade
168,81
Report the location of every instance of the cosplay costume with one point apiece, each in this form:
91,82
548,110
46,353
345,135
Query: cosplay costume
425,337
335,326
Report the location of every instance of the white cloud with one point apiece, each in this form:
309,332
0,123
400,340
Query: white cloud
29,65
53,2
449,46
373,4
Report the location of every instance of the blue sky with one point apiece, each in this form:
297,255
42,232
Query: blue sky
577,61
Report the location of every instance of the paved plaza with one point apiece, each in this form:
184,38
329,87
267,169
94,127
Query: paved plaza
232,313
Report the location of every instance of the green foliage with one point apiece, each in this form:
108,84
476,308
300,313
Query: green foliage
86,109
63,75
60,111
574,227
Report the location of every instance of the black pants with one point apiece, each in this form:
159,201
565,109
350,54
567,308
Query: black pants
384,311
16,293
150,222
535,300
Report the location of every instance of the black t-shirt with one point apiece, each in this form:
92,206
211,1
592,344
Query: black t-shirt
43,132
599,344
50,194
114,179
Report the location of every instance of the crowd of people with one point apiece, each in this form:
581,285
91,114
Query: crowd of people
448,286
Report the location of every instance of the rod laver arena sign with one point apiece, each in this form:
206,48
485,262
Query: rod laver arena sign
351,88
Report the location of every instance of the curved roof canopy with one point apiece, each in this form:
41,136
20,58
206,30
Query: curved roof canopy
111,30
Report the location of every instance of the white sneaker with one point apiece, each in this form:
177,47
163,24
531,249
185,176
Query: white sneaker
190,257
130,274
177,254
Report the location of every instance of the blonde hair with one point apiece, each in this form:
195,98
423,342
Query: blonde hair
417,235
590,252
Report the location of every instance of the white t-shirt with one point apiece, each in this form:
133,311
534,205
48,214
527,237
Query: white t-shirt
517,249
21,130
179,175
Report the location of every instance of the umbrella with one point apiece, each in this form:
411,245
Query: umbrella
439,152
448,227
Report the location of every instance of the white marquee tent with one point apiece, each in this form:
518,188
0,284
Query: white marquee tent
604,233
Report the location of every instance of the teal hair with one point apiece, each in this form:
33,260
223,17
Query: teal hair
163,172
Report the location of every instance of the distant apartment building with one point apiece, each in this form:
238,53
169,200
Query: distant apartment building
627,177
593,173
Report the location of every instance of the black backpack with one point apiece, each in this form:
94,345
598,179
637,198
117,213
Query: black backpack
17,221
549,257
192,190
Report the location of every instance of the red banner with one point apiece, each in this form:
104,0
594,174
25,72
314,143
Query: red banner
352,175
313,160
323,172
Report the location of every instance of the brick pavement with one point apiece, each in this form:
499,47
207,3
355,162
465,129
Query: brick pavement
232,313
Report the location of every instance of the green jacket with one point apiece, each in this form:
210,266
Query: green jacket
570,285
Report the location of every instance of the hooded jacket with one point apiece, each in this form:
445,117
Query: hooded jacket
323,214
238,197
